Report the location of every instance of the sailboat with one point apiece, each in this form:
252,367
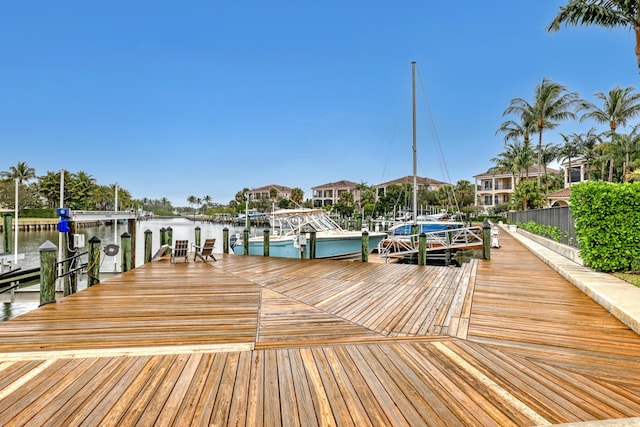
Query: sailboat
428,224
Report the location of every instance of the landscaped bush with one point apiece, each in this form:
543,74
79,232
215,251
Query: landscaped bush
607,224
549,231
38,213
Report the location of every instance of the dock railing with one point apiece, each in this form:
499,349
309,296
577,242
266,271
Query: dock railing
458,238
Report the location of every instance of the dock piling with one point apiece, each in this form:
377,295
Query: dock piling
8,239
486,240
225,240
125,242
148,234
365,246
312,244
265,243
198,233
93,271
422,249
48,253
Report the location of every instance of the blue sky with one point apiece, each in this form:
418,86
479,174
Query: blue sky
172,99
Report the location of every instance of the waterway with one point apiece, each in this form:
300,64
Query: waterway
30,241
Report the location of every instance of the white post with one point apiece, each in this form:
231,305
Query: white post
115,230
15,235
59,285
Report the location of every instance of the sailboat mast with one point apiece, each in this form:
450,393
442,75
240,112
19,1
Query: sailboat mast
415,163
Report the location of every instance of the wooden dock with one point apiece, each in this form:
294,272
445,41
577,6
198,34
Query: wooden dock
268,341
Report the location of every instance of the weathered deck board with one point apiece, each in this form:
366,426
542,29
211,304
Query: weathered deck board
265,341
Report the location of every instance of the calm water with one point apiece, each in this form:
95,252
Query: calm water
30,241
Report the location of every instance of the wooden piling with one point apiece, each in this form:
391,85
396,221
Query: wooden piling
486,240
163,236
8,230
125,243
225,240
70,280
365,246
414,233
132,224
312,245
198,233
93,270
169,236
422,249
245,240
148,234
47,272
265,243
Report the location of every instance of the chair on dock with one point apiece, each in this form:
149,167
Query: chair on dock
180,250
205,251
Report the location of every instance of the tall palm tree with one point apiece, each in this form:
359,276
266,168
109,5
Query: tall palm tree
609,13
626,145
513,130
517,158
552,104
618,107
297,195
571,149
22,172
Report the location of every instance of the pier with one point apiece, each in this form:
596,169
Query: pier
251,340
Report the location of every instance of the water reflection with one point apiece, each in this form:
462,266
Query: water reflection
13,309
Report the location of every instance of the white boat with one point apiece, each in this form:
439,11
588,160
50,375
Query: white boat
291,228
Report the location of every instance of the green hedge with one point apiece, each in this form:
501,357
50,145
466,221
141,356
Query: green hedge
607,224
548,231
38,213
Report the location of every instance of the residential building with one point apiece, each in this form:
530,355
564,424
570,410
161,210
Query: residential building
429,183
264,193
572,175
495,187
559,198
329,194
577,172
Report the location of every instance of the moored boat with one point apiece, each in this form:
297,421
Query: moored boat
290,235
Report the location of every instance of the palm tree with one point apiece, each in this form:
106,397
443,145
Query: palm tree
618,107
517,158
571,148
465,192
22,172
297,195
80,189
589,145
610,14
527,195
552,104
626,145
514,130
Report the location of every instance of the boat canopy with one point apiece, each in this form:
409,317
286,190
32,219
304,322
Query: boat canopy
296,221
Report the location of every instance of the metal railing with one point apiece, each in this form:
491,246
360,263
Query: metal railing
458,238
559,216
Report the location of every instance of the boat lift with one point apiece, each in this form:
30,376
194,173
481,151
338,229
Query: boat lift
445,240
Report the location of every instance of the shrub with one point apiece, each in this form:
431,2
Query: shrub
607,224
38,213
549,231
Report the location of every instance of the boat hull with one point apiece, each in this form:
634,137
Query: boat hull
335,246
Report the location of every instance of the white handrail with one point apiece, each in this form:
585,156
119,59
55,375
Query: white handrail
458,238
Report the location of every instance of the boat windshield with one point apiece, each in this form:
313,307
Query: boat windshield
303,222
